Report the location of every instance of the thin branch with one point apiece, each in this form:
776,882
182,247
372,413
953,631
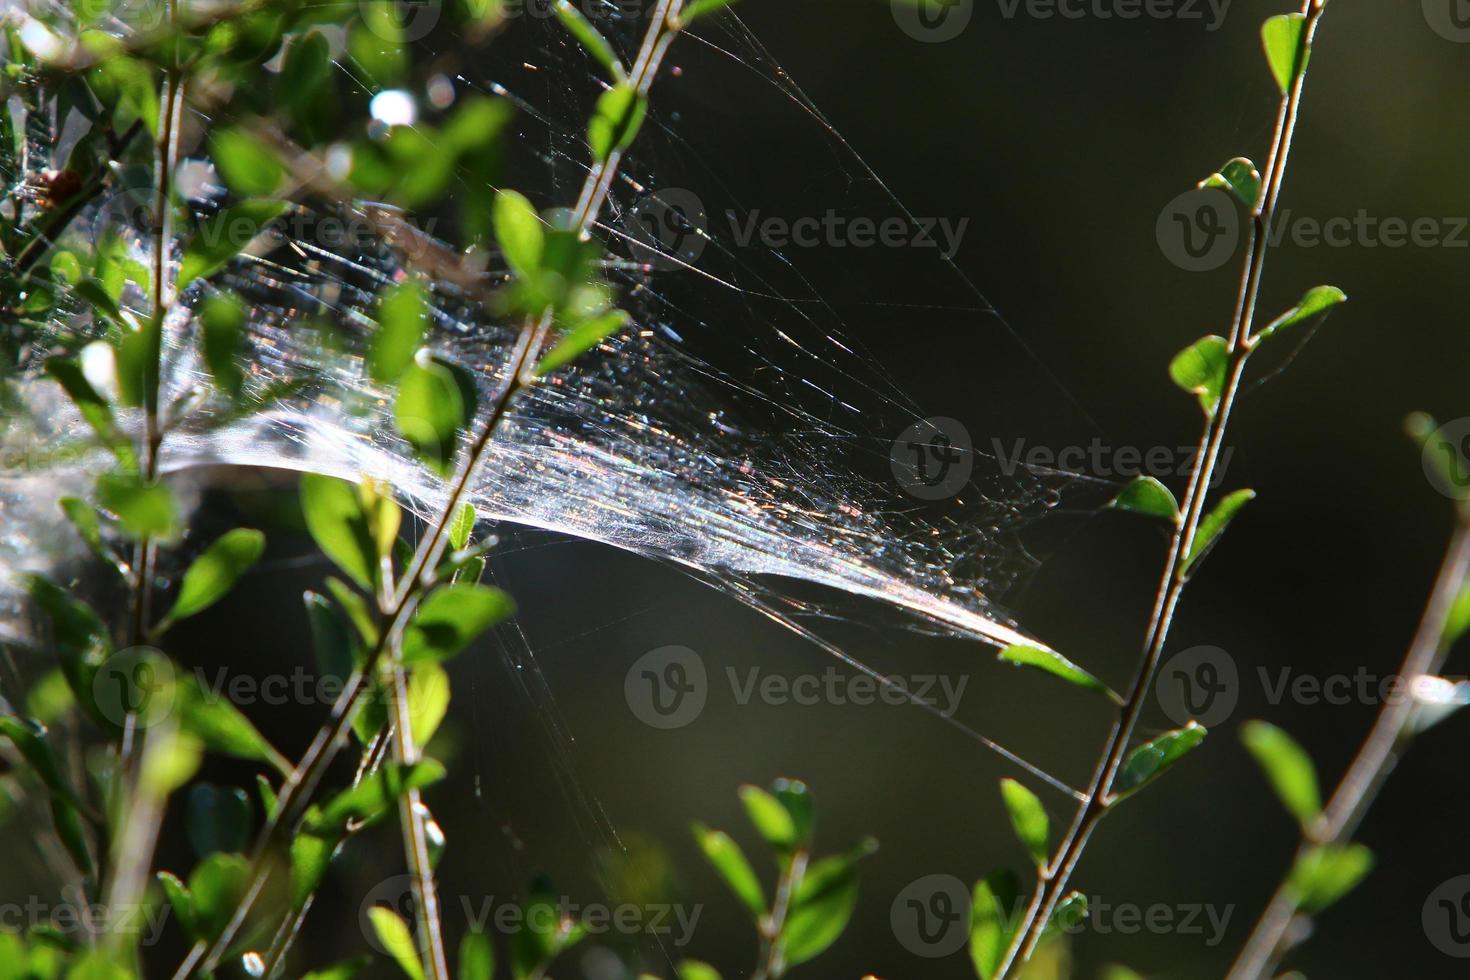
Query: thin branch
1271,938
1054,878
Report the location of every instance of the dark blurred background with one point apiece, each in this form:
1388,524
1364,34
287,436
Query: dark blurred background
1062,140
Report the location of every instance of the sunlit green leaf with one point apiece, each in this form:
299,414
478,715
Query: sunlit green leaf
1214,525
215,721
1146,495
222,323
450,619
143,509
430,412
769,816
476,957
1058,666
248,166
428,701
587,35
701,8
372,799
1200,370
335,518
1323,875
225,235
403,316
1028,819
1240,177
1286,50
1152,759
519,233
1288,767
992,919
1318,300
216,886
615,121
729,860
214,573
582,338
395,937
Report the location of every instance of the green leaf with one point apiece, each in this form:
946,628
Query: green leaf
93,407
615,121
428,701
1200,370
695,970
1318,300
217,885
216,722
331,637
1146,495
248,166
83,517
370,800
225,235
581,338
519,233
992,918
79,637
476,957
137,358
341,971
1058,666
403,316
450,619
214,573
143,509
1070,913
1241,178
1286,49
587,35
821,907
797,800
701,8
222,323
356,608
98,965
334,516
217,819
1323,875
376,44
462,526
1028,819
1152,759
396,938
1214,525
1288,767
181,902
729,860
311,858
430,412
1457,623
770,817
30,740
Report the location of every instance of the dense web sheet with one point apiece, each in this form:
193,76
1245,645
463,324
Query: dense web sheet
735,429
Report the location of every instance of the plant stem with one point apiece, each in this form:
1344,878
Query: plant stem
772,959
307,774
1052,881
1270,940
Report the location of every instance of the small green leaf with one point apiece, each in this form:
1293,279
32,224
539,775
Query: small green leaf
217,819
1284,38
80,639
1457,623
137,359
428,701
1288,767
430,412
1200,370
822,906
143,509
695,970
396,938
311,858
1146,495
462,526
215,721
770,817
93,407
331,637
729,860
222,322
1323,875
992,919
519,233
1240,177
180,901
1152,759
403,316
476,957
214,573
615,121
1318,300
217,885
701,8
1070,913
370,800
248,166
1058,666
335,518
83,517
224,236
1214,525
582,338
30,739
587,35
797,800
1028,819
450,619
